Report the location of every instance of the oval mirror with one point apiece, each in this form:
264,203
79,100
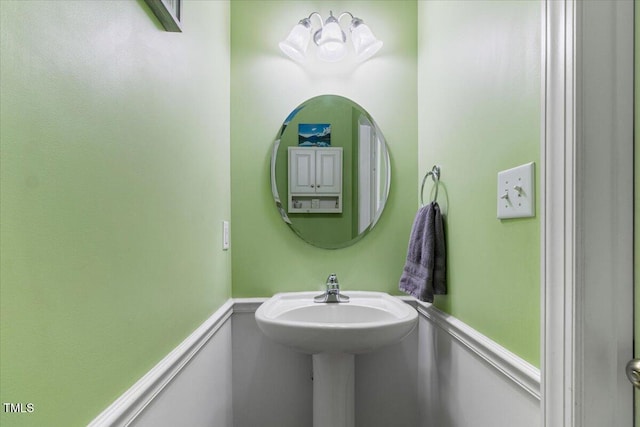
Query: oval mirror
330,171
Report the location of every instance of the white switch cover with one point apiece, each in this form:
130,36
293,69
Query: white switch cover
225,235
516,192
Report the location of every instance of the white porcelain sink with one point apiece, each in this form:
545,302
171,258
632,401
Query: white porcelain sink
368,321
333,333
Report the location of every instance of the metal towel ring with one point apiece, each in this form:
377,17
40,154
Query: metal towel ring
435,175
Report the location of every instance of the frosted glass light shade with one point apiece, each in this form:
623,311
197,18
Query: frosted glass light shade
331,42
330,39
295,45
365,43
332,52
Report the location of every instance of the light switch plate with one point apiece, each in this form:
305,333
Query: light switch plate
225,235
516,192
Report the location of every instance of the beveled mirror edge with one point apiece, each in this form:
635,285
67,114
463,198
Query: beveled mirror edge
274,187
387,161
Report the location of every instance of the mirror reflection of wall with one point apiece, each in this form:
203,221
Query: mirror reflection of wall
338,219
372,173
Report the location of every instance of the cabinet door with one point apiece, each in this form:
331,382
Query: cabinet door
302,170
329,170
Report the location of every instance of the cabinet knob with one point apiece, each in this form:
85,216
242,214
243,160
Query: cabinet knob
311,185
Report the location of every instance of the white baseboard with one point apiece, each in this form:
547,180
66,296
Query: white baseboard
127,407
505,362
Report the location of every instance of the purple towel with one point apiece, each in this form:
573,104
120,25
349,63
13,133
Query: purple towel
424,273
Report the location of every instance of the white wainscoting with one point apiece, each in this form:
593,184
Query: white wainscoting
190,387
227,374
387,385
465,379
271,383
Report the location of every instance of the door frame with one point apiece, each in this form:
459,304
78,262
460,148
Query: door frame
586,212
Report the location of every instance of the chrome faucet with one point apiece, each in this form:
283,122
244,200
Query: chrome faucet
332,294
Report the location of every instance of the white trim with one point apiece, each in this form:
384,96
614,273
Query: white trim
247,305
125,409
514,368
557,213
587,215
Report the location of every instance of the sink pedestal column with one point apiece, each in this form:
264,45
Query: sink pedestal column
333,390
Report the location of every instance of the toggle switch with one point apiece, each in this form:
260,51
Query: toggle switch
516,195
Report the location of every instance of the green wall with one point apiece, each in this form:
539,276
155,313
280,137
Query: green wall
115,177
479,113
266,86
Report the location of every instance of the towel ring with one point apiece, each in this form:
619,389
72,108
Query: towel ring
435,175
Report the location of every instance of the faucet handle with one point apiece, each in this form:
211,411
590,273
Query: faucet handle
332,294
332,282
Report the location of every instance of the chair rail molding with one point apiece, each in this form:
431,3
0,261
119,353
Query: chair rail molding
512,367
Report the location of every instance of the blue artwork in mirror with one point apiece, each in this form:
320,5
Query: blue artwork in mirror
314,134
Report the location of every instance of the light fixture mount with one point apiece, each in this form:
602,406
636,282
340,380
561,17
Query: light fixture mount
330,39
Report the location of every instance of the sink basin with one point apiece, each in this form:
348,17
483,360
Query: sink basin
368,321
333,333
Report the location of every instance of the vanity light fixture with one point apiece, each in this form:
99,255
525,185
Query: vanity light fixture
330,39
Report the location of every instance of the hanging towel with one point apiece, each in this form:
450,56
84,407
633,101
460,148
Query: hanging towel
424,273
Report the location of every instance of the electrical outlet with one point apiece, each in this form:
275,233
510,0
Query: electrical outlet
516,192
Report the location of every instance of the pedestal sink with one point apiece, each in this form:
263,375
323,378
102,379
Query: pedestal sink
333,333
